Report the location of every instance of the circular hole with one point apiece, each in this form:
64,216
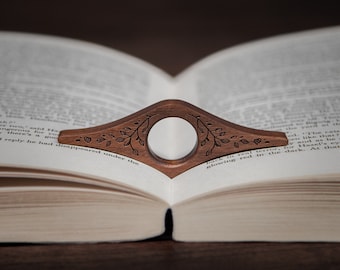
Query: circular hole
172,138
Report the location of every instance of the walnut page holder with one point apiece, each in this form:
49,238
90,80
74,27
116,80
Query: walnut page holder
215,137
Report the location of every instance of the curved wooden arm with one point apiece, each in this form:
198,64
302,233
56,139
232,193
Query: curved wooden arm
215,137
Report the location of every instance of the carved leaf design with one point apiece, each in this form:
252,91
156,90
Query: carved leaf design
100,139
218,143
257,141
127,142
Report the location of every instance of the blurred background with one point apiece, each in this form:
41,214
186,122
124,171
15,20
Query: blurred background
171,34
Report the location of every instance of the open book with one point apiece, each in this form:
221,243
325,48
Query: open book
52,192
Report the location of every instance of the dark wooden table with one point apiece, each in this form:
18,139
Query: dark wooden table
171,255
172,34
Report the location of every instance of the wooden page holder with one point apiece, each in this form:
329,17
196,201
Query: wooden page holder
215,137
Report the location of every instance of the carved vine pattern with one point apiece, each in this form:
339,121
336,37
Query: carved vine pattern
128,135
216,136
211,136
139,131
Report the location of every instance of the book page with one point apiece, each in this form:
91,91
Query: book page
51,84
290,84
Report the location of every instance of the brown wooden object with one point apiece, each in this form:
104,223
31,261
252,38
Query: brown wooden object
215,137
